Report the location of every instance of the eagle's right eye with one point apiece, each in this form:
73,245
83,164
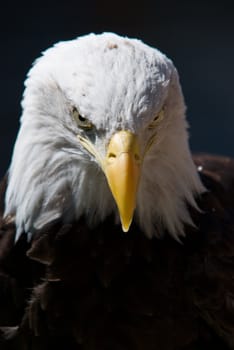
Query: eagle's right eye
81,121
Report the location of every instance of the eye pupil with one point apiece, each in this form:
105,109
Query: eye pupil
82,119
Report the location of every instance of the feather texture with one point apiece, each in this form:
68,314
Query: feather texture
76,288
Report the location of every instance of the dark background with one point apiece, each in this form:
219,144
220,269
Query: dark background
197,35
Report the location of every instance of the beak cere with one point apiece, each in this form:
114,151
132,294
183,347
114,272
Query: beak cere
122,170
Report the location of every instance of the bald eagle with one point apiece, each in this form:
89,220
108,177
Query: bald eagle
112,235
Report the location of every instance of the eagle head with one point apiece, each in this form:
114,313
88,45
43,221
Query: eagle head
103,132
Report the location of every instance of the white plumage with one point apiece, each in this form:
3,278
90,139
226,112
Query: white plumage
116,84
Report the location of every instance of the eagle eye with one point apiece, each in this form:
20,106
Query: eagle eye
81,121
159,117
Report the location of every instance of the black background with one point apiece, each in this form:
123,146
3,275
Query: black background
197,35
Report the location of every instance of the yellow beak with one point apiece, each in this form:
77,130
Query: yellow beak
122,169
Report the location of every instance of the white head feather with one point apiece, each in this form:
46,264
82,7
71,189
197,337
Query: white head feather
117,83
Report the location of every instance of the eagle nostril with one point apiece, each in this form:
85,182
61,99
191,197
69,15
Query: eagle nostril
137,157
111,155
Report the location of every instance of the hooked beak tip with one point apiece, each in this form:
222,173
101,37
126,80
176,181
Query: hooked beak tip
126,227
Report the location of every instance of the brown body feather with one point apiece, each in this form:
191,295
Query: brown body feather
101,289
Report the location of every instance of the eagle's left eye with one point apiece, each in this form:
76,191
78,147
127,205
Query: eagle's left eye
81,121
159,117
